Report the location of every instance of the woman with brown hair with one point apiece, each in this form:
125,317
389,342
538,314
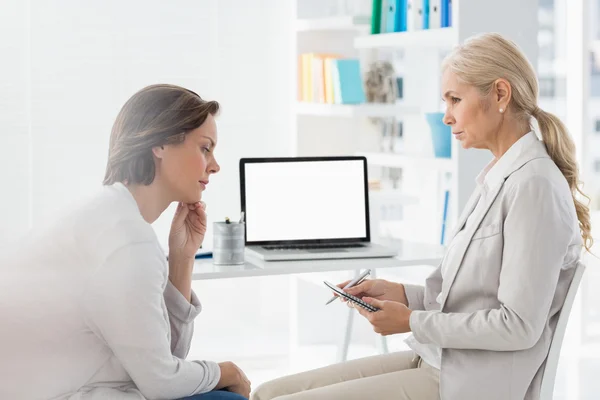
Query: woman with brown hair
105,315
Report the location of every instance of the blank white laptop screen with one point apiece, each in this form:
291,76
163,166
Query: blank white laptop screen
302,200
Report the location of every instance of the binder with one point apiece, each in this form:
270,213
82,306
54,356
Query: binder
418,14
395,15
376,17
415,15
435,14
446,10
383,16
425,14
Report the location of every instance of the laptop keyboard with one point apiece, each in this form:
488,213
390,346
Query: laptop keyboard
313,246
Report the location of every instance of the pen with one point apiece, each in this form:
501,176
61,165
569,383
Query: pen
353,282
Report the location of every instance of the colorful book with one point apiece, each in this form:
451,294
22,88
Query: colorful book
435,15
414,15
446,13
395,15
315,83
347,81
425,23
327,72
376,17
318,78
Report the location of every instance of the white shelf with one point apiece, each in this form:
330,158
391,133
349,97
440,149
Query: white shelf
392,160
444,38
344,23
355,110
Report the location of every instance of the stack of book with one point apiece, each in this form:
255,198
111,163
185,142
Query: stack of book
326,78
410,15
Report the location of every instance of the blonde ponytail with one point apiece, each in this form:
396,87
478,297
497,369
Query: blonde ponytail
561,149
484,58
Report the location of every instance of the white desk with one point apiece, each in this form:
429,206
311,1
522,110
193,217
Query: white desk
409,254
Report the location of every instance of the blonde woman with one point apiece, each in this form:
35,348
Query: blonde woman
95,310
482,324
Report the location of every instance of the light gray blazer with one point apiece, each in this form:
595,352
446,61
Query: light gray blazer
504,289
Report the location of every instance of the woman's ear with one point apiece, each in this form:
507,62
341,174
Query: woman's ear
158,151
502,93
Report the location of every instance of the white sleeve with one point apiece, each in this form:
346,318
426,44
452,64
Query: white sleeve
181,318
124,306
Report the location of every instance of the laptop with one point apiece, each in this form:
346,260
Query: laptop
307,208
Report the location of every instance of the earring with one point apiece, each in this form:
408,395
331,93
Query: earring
501,110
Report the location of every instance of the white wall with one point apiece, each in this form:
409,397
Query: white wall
14,121
87,58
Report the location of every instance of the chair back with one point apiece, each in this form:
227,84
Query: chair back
549,375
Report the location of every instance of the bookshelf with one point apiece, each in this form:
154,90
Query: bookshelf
344,129
341,23
440,38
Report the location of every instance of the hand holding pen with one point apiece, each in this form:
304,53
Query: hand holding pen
359,279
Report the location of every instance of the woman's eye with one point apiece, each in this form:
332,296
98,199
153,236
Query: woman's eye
206,149
454,100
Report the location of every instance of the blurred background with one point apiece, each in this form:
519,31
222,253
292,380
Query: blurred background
67,66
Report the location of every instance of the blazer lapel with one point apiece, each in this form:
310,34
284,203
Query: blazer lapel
463,245
467,211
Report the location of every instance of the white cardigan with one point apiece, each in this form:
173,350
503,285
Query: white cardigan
91,313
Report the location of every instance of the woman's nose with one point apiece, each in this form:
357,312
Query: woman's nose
215,167
448,119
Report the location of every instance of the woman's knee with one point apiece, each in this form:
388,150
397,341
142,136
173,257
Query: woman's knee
266,391
259,393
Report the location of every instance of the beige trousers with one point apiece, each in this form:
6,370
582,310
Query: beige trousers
397,376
